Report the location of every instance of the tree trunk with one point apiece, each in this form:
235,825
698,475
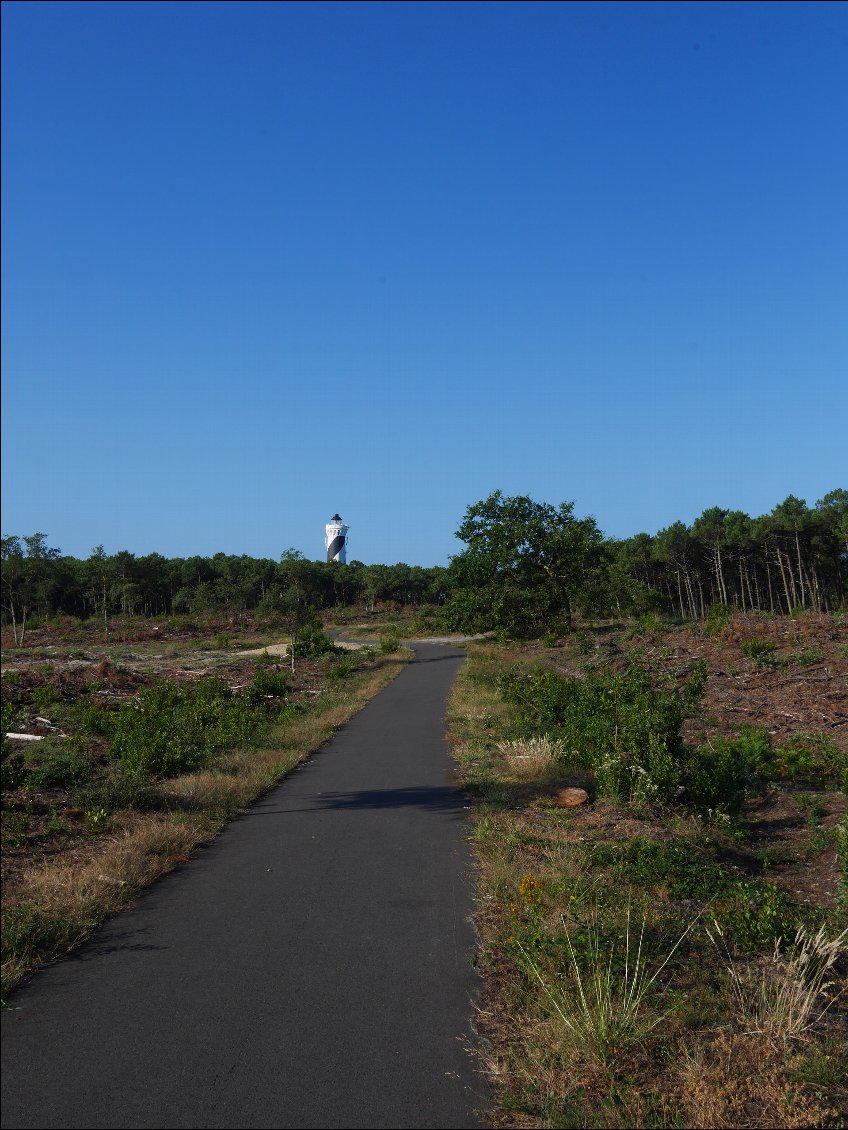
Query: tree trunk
768,578
720,575
690,595
14,620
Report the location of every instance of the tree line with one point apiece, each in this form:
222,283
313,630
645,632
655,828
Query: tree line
528,567
40,582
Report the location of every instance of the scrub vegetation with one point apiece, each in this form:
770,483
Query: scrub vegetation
671,951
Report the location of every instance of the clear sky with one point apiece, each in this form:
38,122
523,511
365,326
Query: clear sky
264,262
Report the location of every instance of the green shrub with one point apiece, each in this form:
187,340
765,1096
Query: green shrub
647,624
45,696
624,727
389,642
273,684
718,618
813,759
720,775
10,712
93,718
341,670
583,642
312,642
174,729
51,766
757,914
684,868
425,622
761,651
805,656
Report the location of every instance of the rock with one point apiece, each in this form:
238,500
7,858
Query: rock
571,798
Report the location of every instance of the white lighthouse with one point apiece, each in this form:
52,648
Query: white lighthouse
336,540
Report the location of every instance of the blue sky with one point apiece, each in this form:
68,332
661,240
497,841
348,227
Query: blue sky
263,262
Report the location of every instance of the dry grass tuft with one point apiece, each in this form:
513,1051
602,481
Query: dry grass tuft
789,993
530,757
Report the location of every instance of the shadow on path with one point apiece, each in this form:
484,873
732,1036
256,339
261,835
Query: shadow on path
434,799
440,799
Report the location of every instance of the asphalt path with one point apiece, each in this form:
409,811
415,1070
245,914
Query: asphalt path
310,968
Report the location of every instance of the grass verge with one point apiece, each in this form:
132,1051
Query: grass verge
56,905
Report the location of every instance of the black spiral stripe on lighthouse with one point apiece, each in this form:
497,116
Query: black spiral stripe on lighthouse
335,547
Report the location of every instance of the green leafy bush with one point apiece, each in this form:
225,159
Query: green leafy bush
624,727
10,713
756,914
93,718
813,759
311,643
684,868
174,729
720,775
718,618
52,766
647,624
761,651
805,656
389,642
341,670
268,683
45,696
583,642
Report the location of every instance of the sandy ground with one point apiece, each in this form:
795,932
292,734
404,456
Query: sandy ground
356,645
